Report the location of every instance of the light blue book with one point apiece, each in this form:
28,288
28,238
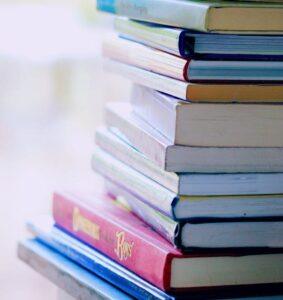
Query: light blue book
66,274
210,16
81,270
98,264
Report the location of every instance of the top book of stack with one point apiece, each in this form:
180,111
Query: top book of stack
211,16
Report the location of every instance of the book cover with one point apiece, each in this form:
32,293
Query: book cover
117,234
213,16
65,273
44,229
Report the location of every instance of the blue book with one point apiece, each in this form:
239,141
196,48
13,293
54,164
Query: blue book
198,45
48,234
45,231
64,273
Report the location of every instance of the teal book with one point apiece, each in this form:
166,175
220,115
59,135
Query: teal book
213,16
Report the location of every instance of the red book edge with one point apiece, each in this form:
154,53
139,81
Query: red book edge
65,221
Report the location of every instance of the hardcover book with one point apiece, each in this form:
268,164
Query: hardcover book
210,125
124,238
186,207
191,44
198,92
121,121
212,16
189,183
192,70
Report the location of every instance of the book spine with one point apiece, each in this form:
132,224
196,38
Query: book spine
149,191
131,284
114,240
154,107
130,156
170,86
137,136
144,57
161,223
182,14
159,37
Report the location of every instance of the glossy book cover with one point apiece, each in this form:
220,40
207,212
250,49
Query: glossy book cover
118,234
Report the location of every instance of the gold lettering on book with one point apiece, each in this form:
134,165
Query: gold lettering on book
81,223
123,248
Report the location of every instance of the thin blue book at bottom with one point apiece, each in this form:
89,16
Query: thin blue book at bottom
46,232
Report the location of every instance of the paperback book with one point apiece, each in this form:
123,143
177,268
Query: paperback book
186,207
121,121
189,183
198,92
210,125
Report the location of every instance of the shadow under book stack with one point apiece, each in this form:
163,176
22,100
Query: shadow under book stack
193,201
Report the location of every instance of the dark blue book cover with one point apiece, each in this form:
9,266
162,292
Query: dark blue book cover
198,45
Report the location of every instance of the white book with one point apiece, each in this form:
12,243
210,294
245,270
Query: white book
186,207
120,119
207,124
190,183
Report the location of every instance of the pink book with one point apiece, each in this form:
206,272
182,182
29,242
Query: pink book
113,230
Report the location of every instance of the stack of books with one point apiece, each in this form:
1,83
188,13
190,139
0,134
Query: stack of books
193,165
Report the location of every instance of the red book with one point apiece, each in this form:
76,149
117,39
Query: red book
117,233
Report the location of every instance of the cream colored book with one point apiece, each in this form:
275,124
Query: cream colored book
121,120
209,124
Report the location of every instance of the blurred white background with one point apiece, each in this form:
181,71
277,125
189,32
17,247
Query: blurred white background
52,93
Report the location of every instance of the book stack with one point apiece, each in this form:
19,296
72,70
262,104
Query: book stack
193,165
